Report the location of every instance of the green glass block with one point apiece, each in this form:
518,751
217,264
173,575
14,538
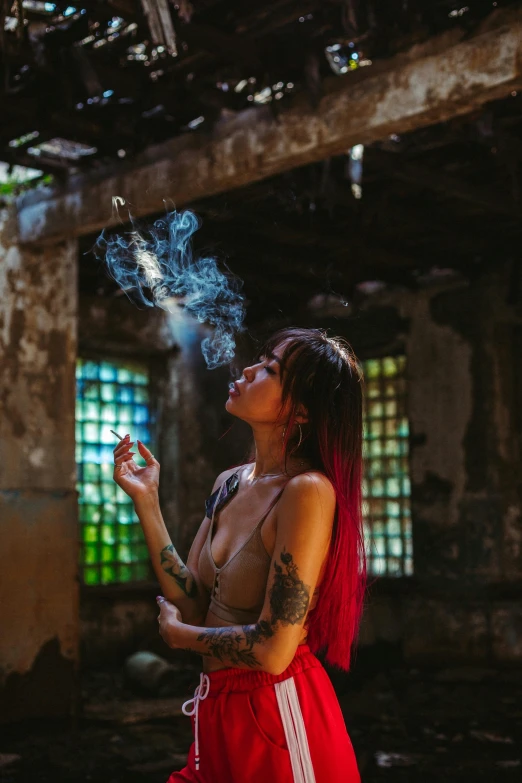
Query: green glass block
365,490
91,410
379,566
125,513
395,547
91,576
92,513
365,508
140,378
124,375
375,448
141,552
393,527
394,566
141,394
372,368
109,510
91,471
373,389
91,390
408,567
137,534
125,414
389,366
376,429
390,389
79,412
406,511
90,432
401,363
108,392
108,534
141,571
109,491
120,496
79,431
377,488
108,574
393,509
107,554
391,447
375,410
375,468
90,534
402,447
390,427
124,553
106,470
378,528
408,547
124,534
109,416
125,573
406,486
393,487
390,408
91,493
90,554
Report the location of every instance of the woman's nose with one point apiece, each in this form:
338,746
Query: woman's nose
248,373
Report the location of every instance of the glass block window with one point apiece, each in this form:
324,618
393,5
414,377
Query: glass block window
386,487
110,395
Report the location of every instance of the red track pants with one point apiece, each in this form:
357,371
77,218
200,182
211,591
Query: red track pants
255,727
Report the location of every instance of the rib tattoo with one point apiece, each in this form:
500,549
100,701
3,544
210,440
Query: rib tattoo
289,601
176,568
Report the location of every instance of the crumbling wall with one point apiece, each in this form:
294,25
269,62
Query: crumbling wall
463,348
38,504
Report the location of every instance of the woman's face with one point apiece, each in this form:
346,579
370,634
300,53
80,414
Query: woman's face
257,396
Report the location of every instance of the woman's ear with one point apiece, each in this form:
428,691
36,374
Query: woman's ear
301,416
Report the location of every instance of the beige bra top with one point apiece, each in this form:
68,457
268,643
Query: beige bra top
238,587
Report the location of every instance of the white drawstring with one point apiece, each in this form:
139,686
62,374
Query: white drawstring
200,693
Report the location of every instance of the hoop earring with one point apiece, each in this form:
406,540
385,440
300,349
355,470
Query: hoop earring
300,437
284,433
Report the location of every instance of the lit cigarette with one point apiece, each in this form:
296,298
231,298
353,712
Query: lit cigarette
115,433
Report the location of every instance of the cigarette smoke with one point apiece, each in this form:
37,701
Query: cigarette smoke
160,270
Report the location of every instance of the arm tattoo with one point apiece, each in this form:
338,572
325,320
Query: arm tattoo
289,596
176,568
228,645
289,601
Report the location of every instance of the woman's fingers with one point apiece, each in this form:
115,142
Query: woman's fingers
147,455
122,449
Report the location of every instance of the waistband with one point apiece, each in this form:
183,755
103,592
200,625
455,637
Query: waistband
234,680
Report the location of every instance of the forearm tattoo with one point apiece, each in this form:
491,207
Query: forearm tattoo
176,568
289,601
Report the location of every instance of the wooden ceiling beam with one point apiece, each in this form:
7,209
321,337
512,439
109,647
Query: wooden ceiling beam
413,91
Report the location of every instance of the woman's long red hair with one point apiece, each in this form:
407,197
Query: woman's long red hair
321,374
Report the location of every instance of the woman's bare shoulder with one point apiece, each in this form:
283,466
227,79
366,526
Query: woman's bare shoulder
311,483
226,474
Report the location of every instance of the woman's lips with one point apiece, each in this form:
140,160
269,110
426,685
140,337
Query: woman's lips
233,390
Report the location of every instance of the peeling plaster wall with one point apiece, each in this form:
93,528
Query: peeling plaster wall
463,348
38,504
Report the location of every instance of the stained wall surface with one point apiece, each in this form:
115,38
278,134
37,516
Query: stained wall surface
39,596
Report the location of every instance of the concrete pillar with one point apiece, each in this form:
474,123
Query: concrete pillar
38,501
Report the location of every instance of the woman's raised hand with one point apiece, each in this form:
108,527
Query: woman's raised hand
136,481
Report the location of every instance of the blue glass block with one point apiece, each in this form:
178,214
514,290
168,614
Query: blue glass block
109,415
124,375
377,488
142,432
89,370
106,454
141,414
108,372
403,428
125,394
125,415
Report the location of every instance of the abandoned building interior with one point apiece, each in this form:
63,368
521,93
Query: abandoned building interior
355,166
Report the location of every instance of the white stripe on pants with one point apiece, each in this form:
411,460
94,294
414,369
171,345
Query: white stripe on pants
295,731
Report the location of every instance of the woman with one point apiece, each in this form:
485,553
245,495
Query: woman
286,531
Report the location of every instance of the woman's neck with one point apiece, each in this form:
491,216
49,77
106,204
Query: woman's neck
269,458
